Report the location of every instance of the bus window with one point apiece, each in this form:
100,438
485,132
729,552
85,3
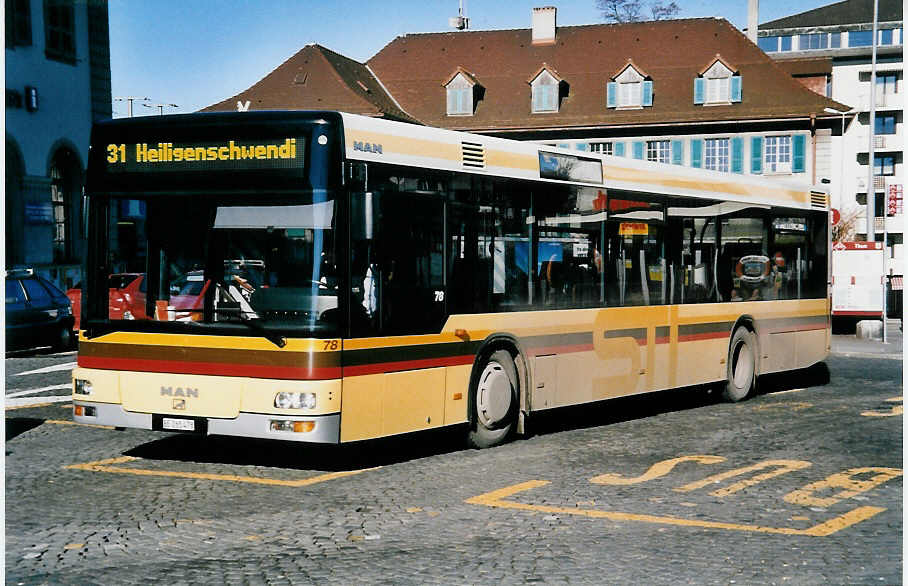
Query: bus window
637,268
789,260
569,264
693,254
744,268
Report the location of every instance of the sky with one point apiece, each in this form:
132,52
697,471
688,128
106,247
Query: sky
194,53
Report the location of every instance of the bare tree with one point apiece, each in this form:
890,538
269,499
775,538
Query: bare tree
846,229
620,11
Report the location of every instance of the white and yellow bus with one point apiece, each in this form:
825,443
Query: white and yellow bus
325,277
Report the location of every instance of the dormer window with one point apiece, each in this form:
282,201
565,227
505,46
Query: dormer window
545,90
717,85
462,93
629,89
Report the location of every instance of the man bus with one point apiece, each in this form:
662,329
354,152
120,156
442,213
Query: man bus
410,278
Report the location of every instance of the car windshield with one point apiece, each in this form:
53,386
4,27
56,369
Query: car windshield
211,261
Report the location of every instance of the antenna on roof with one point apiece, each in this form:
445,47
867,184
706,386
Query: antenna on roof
460,22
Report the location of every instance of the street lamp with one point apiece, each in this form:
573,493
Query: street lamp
841,113
161,107
129,100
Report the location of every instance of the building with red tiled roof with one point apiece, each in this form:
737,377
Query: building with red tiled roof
316,78
692,92
672,54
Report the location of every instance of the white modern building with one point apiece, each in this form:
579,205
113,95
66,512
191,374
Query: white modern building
836,42
57,82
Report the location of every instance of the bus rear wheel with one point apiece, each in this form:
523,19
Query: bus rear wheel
494,401
742,366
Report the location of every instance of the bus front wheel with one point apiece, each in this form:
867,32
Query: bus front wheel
494,401
742,366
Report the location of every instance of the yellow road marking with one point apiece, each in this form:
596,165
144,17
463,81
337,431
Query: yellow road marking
73,545
896,410
657,470
62,422
782,467
496,498
798,406
848,481
32,406
107,466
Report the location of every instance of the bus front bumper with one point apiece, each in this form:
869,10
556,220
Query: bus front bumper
323,429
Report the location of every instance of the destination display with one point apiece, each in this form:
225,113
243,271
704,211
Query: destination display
569,168
285,153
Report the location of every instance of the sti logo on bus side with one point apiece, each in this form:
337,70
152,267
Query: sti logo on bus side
179,392
367,147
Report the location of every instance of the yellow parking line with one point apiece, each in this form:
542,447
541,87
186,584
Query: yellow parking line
496,498
31,406
63,422
106,466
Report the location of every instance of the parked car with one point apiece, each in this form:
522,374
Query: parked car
120,285
37,312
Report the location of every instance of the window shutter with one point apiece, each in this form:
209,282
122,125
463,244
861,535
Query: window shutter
619,149
647,93
611,100
699,90
677,152
696,153
736,88
638,150
798,148
756,155
737,154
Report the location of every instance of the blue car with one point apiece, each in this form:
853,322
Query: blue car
37,312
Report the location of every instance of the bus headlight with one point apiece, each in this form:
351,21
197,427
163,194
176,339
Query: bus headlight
285,400
82,386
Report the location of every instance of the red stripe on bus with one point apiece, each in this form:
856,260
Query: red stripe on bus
858,313
704,336
663,340
382,367
211,368
546,350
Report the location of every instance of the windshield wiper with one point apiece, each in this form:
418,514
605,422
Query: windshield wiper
254,323
249,317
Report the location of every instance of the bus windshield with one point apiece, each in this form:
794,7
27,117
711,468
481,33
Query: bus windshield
208,261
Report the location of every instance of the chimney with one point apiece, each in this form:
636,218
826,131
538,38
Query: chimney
544,25
753,19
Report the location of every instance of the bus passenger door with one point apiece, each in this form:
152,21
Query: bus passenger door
397,264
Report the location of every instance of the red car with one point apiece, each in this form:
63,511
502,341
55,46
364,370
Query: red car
186,299
122,286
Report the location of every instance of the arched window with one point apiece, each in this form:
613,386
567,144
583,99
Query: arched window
65,180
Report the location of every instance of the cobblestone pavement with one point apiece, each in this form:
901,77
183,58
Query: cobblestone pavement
798,485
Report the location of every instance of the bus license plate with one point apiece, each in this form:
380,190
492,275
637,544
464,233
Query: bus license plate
178,424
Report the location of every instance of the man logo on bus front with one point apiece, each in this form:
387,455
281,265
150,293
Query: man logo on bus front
179,392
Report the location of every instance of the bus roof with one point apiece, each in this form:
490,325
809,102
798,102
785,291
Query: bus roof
372,139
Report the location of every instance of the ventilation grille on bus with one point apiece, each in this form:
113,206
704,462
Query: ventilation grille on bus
474,155
818,200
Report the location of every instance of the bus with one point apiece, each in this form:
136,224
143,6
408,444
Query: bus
409,278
